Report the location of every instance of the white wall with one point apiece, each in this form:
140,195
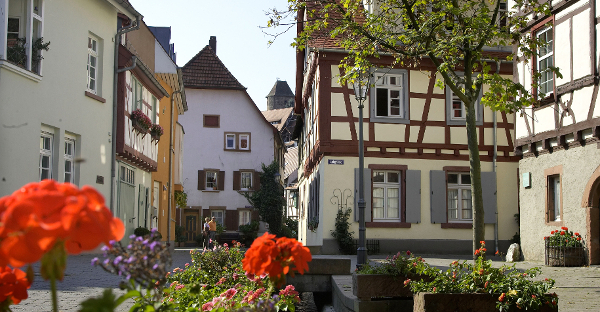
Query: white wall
204,147
57,99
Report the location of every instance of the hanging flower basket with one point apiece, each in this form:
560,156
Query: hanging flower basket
140,122
156,131
564,248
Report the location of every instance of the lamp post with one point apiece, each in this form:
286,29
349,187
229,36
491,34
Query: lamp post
361,87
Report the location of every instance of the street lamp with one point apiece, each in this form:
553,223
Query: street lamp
361,87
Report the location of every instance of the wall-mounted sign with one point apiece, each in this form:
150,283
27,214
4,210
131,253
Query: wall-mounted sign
335,161
526,179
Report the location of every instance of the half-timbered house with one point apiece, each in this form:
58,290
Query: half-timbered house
417,183
558,138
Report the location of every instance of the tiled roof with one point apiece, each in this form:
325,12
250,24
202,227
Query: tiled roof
279,115
206,71
281,88
291,161
322,38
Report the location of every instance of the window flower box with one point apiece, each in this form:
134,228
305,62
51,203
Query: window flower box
156,131
564,248
140,122
441,302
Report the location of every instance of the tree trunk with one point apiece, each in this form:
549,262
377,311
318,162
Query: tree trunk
475,171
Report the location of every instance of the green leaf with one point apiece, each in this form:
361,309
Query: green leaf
104,303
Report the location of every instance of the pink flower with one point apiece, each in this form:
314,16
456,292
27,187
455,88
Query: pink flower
235,276
221,281
207,306
229,293
408,253
187,264
225,245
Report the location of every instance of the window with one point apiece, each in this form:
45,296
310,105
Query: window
154,109
13,28
386,195
245,216
21,47
69,160
554,198
456,113
503,14
544,61
219,216
46,156
244,141
246,180
230,141
92,65
211,180
127,175
459,197
389,96
235,141
211,121
137,93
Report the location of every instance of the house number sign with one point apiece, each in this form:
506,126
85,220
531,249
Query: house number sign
335,161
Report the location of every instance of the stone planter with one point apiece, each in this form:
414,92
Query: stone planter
367,286
429,302
565,256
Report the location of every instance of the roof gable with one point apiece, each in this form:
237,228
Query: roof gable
206,71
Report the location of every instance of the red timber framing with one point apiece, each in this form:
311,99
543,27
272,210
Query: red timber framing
320,69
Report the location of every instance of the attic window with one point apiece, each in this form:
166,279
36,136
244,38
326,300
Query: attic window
211,121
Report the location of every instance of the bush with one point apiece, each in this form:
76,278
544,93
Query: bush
199,239
400,264
141,231
249,232
180,234
291,228
342,231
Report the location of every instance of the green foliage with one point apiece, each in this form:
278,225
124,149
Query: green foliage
342,231
141,231
269,199
180,234
401,264
220,229
215,278
515,288
18,53
199,239
249,232
105,303
180,199
290,228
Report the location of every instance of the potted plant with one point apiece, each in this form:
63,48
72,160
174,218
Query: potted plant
564,248
140,122
180,235
249,232
156,131
388,279
480,287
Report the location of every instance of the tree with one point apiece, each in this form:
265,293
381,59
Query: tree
269,199
452,34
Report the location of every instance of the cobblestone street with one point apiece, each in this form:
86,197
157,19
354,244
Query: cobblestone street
578,288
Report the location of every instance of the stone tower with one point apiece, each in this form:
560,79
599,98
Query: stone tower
281,96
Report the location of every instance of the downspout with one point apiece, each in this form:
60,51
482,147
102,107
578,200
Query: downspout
495,139
171,151
113,161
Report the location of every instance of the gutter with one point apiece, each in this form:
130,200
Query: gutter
113,161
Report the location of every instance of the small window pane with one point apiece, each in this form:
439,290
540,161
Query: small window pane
378,176
378,192
244,142
45,161
377,213
393,177
393,212
382,102
392,192
230,141
393,80
465,179
453,178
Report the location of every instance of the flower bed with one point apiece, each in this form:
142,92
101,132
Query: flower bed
564,248
388,279
510,289
464,303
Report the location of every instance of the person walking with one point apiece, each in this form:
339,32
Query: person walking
212,225
205,233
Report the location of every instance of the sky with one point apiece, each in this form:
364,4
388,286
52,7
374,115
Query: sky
241,45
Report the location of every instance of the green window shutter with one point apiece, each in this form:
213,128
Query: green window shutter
488,190
437,183
413,196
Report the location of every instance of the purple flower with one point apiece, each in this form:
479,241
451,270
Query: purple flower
112,242
131,259
129,246
107,261
154,230
145,258
155,267
118,259
132,236
105,248
95,261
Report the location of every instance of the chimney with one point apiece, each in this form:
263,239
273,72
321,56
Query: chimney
213,43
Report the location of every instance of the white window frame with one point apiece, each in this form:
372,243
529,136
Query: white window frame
386,186
242,186
69,159
219,216
240,138
137,93
18,32
31,27
451,98
554,197
92,71
245,217
233,141
46,152
215,183
460,209
391,80
546,83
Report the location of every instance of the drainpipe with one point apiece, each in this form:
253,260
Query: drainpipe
171,151
113,161
494,166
